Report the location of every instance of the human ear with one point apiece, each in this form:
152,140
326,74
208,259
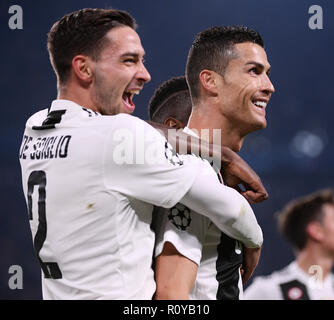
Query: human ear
174,123
82,68
315,231
209,81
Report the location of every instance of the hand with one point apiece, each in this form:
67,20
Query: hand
236,171
250,261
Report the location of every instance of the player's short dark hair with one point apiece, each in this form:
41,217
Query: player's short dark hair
171,99
82,32
298,213
212,49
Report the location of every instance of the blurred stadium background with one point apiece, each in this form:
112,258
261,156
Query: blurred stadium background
293,156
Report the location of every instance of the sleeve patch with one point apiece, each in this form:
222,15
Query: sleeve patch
180,216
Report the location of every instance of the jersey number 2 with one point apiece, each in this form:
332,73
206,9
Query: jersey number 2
50,269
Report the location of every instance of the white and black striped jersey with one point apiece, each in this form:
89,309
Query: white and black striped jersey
90,182
292,283
217,255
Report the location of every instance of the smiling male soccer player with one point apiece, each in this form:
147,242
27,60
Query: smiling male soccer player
90,208
227,72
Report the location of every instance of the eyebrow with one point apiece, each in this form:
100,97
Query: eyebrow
132,54
259,65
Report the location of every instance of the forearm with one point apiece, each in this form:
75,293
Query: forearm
186,144
171,293
250,261
225,207
235,170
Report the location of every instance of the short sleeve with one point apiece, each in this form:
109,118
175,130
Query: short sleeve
183,228
140,163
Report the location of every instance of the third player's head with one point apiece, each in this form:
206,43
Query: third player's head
227,67
96,53
171,103
308,222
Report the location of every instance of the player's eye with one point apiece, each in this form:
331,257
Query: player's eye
254,70
129,60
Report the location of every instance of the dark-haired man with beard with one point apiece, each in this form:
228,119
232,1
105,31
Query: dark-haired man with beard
91,172
228,76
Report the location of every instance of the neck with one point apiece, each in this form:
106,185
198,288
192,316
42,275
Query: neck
78,94
208,116
312,255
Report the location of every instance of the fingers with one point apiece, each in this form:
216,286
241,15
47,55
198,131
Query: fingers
247,271
248,198
256,191
246,276
238,172
254,197
242,272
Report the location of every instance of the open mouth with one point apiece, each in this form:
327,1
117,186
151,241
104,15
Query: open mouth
127,99
260,104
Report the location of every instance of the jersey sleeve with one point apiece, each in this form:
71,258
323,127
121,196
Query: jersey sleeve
225,207
184,229
140,163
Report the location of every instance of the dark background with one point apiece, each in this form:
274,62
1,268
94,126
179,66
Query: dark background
293,156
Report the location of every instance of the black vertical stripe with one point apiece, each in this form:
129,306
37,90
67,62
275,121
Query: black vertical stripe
227,266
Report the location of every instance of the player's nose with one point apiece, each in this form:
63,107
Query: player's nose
267,85
143,75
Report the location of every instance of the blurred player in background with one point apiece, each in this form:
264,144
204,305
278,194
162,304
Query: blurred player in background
227,72
91,175
308,225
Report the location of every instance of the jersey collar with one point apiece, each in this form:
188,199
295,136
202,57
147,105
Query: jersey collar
62,104
187,130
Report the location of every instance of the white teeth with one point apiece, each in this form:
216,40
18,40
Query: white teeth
134,91
261,104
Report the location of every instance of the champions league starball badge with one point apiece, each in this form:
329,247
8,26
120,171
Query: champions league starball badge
179,215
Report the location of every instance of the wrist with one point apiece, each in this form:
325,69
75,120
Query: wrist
226,156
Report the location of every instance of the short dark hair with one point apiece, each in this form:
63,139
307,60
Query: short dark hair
212,49
82,32
297,214
171,99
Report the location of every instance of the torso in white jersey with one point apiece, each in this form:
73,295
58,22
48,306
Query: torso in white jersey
292,283
90,216
217,255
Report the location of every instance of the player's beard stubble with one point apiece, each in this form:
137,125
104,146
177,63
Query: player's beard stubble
104,96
